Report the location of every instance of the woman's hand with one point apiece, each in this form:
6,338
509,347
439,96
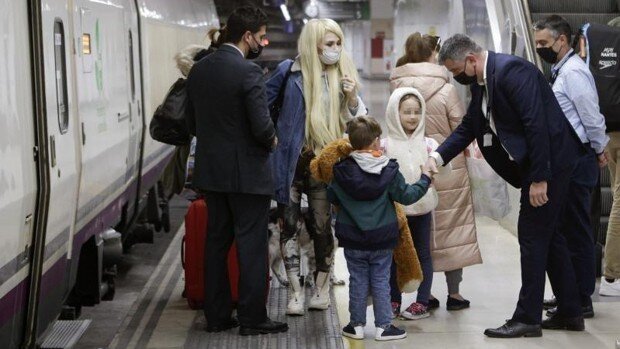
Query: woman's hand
350,91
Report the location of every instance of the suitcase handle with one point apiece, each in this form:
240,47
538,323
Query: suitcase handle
183,252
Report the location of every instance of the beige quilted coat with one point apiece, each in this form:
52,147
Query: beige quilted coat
454,244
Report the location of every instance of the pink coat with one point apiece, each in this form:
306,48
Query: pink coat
454,244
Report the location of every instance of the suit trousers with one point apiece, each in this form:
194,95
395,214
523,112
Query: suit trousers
244,219
543,247
577,227
612,245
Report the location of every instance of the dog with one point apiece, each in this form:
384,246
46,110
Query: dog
306,246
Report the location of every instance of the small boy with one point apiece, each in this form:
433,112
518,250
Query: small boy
365,185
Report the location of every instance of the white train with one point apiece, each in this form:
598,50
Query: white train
79,82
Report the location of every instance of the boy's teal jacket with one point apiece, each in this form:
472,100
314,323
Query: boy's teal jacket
366,218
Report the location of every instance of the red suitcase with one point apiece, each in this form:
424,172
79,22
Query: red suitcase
192,256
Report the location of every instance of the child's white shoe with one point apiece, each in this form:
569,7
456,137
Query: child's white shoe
354,332
389,334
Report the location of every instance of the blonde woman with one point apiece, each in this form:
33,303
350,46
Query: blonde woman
320,95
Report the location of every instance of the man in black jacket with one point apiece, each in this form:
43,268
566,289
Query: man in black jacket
234,136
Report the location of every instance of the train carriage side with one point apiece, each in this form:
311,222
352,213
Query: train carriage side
165,30
101,69
17,168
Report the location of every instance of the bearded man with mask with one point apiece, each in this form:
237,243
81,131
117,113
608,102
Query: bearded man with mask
575,90
527,140
235,135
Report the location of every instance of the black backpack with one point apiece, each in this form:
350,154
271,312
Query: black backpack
169,123
603,47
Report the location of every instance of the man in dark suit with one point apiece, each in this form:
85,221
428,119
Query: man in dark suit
525,137
235,136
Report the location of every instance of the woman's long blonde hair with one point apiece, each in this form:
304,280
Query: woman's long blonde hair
322,129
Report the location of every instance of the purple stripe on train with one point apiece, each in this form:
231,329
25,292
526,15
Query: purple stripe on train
15,300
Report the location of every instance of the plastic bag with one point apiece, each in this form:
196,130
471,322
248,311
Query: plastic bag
489,190
191,158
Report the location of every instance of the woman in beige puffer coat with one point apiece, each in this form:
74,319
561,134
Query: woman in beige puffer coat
454,243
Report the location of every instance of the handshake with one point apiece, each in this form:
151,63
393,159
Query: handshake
429,168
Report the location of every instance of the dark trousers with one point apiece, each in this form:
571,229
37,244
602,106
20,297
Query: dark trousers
420,227
544,247
318,221
576,225
243,218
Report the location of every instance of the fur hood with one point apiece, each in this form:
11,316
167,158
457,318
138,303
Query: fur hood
395,129
410,151
185,58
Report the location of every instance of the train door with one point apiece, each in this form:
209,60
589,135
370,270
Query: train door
62,135
18,171
135,92
104,111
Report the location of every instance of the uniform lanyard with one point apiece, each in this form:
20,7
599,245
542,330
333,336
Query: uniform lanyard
487,116
555,76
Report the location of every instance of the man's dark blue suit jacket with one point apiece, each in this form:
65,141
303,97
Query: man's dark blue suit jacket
529,123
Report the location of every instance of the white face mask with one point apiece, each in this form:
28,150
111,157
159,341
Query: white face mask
330,56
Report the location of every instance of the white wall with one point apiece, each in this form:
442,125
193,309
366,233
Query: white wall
437,17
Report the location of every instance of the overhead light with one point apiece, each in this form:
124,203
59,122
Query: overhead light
285,13
305,20
311,9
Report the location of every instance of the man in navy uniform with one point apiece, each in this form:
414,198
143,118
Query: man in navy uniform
525,137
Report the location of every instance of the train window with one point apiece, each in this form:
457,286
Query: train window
61,76
86,44
131,68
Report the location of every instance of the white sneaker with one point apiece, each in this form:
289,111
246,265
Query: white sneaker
611,289
320,298
356,332
296,304
297,297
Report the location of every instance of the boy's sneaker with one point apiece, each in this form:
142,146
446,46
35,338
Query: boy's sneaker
395,310
416,311
356,332
611,289
390,334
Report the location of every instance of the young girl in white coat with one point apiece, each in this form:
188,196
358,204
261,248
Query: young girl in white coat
406,143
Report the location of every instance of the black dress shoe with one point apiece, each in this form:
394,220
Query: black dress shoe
559,322
587,311
232,323
514,329
433,303
456,304
550,303
266,327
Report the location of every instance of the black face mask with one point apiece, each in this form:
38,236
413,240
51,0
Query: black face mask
465,79
255,52
548,54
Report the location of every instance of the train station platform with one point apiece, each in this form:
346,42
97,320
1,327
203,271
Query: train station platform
160,317
149,311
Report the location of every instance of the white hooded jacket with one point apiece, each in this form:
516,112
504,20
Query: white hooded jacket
411,152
